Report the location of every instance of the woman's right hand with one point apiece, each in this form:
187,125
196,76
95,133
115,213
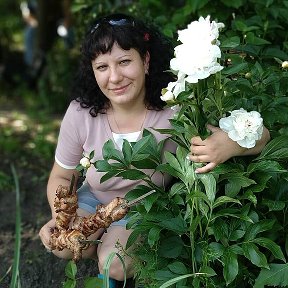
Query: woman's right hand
45,233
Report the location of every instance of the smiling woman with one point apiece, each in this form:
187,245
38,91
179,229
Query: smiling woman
116,95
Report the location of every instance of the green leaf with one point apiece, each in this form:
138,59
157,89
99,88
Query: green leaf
234,69
216,250
230,266
234,4
75,7
236,235
231,212
272,246
274,52
140,146
132,174
149,201
188,174
177,268
175,280
197,4
274,205
223,200
102,166
143,161
258,227
252,253
230,42
177,224
178,188
272,148
281,154
251,38
108,175
91,155
166,168
276,276
110,152
71,269
70,283
236,182
209,183
266,166
172,161
153,236
93,282
171,247
208,271
134,236
262,180
164,275
127,151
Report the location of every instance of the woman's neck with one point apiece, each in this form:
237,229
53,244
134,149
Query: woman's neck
124,120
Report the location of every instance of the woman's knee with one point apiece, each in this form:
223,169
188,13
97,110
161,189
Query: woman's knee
116,269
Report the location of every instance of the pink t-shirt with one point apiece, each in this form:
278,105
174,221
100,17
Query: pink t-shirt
81,133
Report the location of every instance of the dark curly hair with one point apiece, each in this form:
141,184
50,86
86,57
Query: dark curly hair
128,33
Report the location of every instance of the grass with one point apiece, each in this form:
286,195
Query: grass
15,281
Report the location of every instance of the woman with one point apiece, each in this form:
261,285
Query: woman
116,96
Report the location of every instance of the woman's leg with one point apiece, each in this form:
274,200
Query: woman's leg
114,235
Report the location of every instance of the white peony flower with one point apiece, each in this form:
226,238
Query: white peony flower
85,162
243,127
201,31
198,54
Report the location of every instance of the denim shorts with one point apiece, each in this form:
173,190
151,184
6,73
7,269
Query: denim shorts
88,202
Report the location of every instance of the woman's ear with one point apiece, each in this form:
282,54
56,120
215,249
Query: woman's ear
146,62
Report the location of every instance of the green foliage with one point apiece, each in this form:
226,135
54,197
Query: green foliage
72,281
54,85
70,273
11,21
277,273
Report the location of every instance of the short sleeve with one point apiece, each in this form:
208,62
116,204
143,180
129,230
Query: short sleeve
69,146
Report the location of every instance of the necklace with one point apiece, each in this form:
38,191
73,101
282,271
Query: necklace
117,126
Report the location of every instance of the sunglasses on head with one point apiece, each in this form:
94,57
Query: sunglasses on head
114,20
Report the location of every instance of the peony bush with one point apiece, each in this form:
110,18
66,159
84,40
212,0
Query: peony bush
224,228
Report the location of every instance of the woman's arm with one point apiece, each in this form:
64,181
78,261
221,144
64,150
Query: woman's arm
218,148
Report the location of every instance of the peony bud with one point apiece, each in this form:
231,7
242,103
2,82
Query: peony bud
248,75
167,96
285,64
85,162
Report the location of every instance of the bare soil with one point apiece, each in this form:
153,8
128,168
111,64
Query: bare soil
38,268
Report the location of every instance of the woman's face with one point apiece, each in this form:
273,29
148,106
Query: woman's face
120,75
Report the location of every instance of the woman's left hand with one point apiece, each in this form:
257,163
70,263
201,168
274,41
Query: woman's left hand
215,149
